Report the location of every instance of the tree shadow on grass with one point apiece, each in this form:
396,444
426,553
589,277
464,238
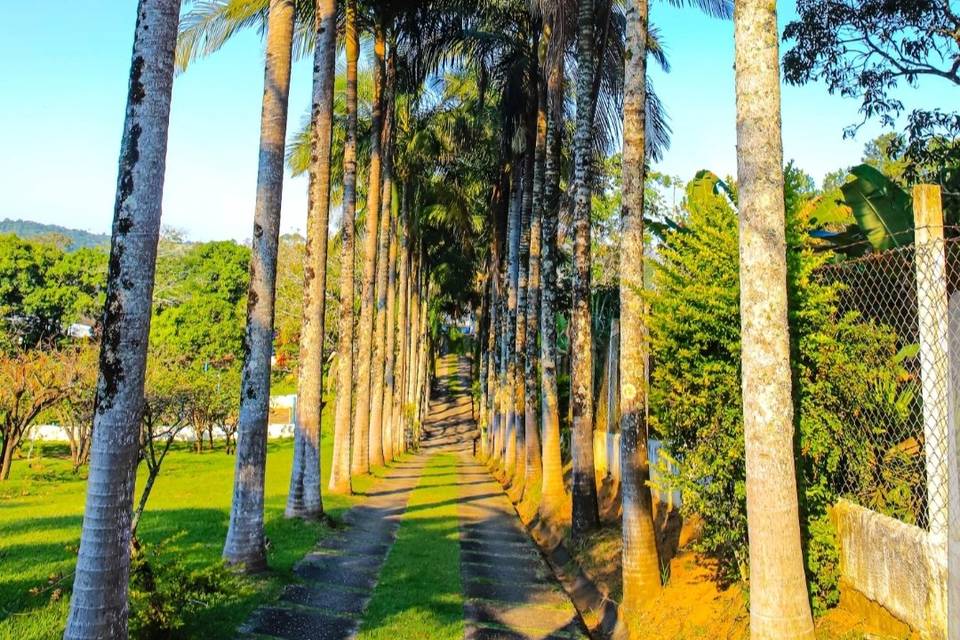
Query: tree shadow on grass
193,537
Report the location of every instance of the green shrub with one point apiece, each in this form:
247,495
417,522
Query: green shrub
165,594
839,364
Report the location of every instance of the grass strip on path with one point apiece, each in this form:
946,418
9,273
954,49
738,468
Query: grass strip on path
418,595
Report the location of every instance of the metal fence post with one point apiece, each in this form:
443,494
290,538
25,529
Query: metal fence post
931,277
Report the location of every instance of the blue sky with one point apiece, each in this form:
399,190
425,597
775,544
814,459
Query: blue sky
64,88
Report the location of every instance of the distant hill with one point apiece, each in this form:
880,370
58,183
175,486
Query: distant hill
76,238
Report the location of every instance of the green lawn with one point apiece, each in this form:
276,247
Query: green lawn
418,596
41,509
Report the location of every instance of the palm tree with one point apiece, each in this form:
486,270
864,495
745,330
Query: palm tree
378,437
641,567
363,452
779,605
401,366
508,371
585,515
245,543
98,606
341,465
534,467
553,490
390,362
304,499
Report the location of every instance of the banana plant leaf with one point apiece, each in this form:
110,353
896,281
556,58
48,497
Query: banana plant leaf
883,211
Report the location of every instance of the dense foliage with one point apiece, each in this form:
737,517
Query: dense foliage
44,289
840,362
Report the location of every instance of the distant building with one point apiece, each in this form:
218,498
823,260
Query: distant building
78,330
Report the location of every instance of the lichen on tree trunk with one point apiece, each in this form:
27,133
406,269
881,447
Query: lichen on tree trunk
304,499
244,545
362,436
340,469
779,606
640,562
99,603
585,516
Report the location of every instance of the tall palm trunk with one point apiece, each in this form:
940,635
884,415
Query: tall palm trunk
98,607
585,516
402,330
525,335
523,259
779,607
509,366
377,435
340,468
423,359
245,542
493,388
554,492
641,567
389,366
304,499
482,329
412,351
534,458
362,436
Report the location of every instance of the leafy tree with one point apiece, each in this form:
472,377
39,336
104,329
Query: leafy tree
31,382
199,316
840,364
867,48
75,411
166,401
42,289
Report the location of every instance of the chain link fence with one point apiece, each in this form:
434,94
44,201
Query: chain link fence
896,462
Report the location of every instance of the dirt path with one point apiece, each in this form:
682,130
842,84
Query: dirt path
340,574
507,590
510,591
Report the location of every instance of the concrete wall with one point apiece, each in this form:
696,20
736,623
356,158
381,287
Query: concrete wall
55,433
895,565
606,461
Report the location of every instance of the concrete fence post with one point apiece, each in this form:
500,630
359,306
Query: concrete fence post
953,424
931,275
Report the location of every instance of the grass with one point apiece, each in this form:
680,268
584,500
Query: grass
419,595
41,509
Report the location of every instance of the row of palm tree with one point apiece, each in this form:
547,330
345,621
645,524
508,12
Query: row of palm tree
511,418
463,186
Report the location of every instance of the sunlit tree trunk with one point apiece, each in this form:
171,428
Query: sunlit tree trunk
362,435
245,543
389,367
412,351
482,329
523,259
423,370
402,330
304,498
531,424
340,468
509,367
554,492
493,387
779,605
641,567
585,516
99,605
378,432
